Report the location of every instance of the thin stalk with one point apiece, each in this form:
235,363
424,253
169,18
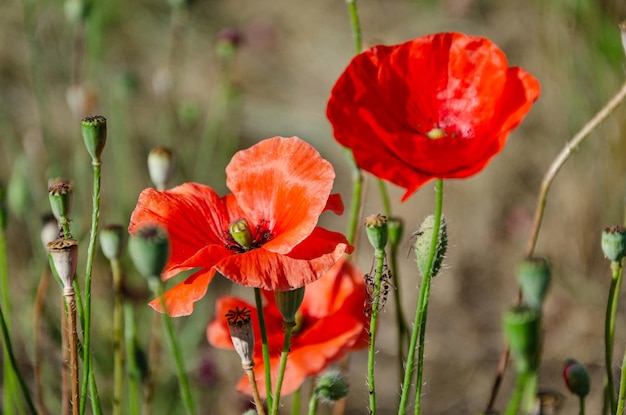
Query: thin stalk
622,392
118,329
295,404
282,366
91,250
70,301
96,407
130,336
65,367
421,311
379,256
40,299
178,356
518,393
8,389
581,405
356,25
403,328
609,331
13,363
258,403
569,149
154,352
313,405
264,347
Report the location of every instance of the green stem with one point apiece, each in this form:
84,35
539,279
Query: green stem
8,389
295,404
313,404
622,391
609,331
384,196
356,25
91,250
153,363
70,301
379,256
518,393
265,349
178,357
13,363
401,324
283,364
581,404
421,311
118,328
134,375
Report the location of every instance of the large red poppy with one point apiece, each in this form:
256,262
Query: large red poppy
280,186
439,106
331,322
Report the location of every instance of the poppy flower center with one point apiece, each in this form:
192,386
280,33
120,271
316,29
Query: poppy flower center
241,238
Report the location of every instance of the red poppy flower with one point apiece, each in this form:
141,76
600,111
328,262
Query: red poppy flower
439,106
331,322
280,187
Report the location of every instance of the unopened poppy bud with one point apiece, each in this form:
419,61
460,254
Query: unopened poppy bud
60,196
377,231
149,250
395,228
3,208
94,131
331,386
423,241
112,241
288,303
160,166
614,243
522,327
534,278
240,231
64,253
576,378
242,335
49,229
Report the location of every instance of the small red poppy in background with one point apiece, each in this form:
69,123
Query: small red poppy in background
280,186
331,322
439,106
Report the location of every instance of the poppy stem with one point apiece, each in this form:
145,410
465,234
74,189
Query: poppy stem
118,329
70,301
264,346
622,392
283,365
255,391
609,331
134,374
379,255
356,25
421,313
40,299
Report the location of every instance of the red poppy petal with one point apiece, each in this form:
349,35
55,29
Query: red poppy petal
334,204
270,271
193,215
285,182
180,299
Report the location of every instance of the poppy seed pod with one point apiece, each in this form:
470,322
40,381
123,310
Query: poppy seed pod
149,250
534,277
614,243
160,166
112,241
94,130
288,303
576,378
331,386
64,253
423,241
60,195
377,231
522,327
242,335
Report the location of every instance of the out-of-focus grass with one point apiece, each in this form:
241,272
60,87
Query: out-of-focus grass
155,76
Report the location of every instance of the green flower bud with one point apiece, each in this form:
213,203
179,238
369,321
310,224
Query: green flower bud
534,278
395,228
160,166
242,335
3,208
112,241
149,250
614,243
60,196
331,386
522,327
377,232
576,378
288,303
94,131
423,241
241,233
64,253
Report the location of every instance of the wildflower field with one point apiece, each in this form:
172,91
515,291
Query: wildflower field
329,207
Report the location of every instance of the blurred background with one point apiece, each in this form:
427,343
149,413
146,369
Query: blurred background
210,77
